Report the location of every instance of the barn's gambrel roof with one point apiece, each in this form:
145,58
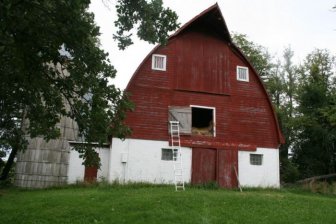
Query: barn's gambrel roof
212,19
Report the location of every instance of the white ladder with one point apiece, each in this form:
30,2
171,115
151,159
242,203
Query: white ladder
177,156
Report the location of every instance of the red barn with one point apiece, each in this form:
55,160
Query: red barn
229,130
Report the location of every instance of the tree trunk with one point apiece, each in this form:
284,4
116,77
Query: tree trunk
9,164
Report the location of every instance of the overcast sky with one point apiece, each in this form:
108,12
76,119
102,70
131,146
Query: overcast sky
302,24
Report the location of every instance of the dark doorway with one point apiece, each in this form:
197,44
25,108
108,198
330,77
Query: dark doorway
202,121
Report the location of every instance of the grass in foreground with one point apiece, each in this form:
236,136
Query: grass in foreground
161,204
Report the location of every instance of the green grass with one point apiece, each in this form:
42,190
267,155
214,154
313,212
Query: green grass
161,204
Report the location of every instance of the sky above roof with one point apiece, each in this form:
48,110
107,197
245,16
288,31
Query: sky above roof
304,25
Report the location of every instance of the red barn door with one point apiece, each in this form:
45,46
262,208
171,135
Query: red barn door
212,165
203,165
227,166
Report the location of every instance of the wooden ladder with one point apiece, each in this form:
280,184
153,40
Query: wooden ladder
177,156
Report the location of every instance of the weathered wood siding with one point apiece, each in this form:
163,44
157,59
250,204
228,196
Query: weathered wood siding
243,113
202,64
204,165
201,70
45,164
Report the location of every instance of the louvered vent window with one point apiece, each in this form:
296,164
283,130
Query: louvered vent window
159,62
256,159
242,73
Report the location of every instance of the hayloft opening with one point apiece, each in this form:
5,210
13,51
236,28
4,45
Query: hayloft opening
203,121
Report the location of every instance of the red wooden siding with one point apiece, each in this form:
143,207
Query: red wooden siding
202,63
243,117
204,165
214,165
226,165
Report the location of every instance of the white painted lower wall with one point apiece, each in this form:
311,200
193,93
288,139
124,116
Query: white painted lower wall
265,175
76,169
135,160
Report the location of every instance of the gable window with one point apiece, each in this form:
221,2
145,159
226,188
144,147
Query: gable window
168,154
256,159
242,73
202,122
159,62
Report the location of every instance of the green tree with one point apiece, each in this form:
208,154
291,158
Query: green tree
286,113
153,21
314,151
50,60
257,55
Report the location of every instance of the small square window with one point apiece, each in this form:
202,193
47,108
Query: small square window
242,73
168,155
256,159
159,62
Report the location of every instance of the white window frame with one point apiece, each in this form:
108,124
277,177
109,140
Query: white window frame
247,73
164,66
256,162
213,115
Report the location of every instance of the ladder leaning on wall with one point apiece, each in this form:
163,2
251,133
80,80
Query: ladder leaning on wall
177,156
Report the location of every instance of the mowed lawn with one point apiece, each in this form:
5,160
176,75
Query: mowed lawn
161,204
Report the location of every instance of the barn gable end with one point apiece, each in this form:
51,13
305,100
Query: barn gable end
207,76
